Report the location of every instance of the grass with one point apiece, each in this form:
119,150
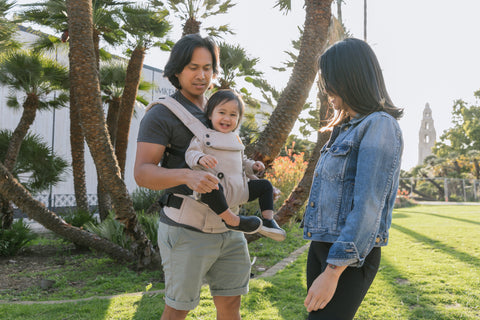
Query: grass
429,270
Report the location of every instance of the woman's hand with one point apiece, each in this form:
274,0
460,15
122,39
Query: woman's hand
323,288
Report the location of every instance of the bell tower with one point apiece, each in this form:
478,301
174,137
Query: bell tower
426,135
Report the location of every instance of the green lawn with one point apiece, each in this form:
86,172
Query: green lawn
430,270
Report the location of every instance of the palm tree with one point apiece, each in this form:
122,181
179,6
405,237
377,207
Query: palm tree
144,25
293,97
7,28
53,13
36,77
39,167
11,189
84,78
299,195
192,11
235,64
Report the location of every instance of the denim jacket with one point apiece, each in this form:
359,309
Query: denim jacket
354,188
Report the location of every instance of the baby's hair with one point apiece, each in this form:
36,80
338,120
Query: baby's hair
221,97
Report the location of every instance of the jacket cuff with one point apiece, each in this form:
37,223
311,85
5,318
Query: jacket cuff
344,254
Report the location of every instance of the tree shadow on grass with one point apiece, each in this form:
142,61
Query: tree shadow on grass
149,307
444,217
420,304
282,294
435,244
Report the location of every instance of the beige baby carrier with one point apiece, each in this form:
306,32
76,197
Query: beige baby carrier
184,209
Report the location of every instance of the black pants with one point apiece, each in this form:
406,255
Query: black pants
352,285
261,189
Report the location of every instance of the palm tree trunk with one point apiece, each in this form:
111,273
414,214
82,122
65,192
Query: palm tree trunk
191,26
77,143
28,116
82,64
132,80
113,115
11,189
300,194
293,97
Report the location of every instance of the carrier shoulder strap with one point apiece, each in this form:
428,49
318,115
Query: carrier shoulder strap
188,119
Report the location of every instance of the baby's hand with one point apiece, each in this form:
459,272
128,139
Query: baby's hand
258,167
208,161
276,194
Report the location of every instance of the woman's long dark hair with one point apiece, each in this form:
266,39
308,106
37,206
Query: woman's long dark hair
350,70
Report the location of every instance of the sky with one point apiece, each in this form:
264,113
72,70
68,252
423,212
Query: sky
428,51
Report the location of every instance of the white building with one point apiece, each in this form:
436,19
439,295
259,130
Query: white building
53,127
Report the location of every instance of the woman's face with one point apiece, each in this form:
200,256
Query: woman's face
337,103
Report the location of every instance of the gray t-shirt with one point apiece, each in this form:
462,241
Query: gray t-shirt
161,126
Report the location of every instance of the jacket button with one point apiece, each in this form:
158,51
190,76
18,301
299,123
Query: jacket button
385,240
220,175
377,240
207,135
312,204
207,143
309,234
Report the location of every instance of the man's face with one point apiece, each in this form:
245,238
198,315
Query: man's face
196,76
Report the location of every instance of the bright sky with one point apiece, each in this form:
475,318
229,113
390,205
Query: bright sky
427,49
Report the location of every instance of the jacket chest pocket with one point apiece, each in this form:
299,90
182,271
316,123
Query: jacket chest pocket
336,160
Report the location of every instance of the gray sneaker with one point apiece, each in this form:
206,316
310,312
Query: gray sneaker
248,224
272,230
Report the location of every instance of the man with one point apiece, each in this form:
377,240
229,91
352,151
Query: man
189,256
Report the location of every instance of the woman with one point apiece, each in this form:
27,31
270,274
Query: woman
355,183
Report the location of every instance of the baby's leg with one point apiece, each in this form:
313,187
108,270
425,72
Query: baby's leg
263,190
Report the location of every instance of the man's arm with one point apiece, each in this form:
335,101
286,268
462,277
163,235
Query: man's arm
148,174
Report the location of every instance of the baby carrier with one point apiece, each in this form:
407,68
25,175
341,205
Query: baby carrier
185,209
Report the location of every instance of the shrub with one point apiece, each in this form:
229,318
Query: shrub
15,238
143,198
149,223
403,200
284,174
79,217
113,230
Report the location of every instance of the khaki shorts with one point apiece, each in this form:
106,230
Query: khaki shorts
191,258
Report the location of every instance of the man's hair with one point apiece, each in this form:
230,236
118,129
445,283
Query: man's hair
181,56
221,97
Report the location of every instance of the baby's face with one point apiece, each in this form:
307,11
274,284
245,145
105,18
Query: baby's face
225,116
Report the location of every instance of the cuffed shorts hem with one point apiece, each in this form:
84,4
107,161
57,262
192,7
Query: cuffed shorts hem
229,292
181,305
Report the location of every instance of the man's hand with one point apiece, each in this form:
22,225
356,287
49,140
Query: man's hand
202,181
208,161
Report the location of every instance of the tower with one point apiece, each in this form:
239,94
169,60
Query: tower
426,135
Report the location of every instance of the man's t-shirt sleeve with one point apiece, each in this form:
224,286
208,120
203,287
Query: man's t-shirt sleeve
155,127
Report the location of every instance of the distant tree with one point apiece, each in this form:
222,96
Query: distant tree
7,27
464,135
